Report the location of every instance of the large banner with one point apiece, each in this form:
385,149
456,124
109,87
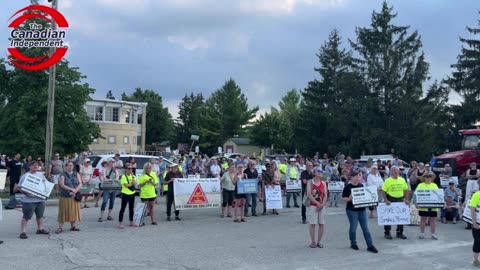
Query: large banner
273,197
364,196
293,185
194,193
3,179
336,186
467,215
247,186
37,186
397,213
444,180
431,198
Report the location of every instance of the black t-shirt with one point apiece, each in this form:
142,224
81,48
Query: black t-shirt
251,174
346,193
306,175
15,168
172,175
380,169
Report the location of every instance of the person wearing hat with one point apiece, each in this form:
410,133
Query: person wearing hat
169,178
100,192
374,180
109,173
318,196
395,189
430,213
292,175
86,173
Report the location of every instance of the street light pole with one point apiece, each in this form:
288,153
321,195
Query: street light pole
51,103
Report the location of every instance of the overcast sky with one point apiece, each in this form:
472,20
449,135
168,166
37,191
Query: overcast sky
267,46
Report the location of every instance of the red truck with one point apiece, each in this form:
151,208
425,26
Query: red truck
460,160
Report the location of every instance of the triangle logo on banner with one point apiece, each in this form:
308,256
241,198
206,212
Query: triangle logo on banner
198,196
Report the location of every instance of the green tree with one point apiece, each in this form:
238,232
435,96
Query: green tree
266,131
394,69
110,95
188,121
465,80
160,126
225,114
25,111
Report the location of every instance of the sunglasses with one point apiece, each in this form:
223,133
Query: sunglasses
129,168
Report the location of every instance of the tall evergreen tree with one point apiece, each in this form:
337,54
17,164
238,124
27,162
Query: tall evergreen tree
188,121
465,80
394,69
225,114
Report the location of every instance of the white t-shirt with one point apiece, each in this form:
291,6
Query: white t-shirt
374,180
86,173
215,169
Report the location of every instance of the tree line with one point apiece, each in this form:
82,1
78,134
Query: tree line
371,95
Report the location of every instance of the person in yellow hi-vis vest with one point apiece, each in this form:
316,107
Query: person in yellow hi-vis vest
282,168
292,174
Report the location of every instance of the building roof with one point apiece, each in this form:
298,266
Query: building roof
140,104
241,141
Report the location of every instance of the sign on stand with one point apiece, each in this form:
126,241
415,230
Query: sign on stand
139,213
273,197
336,186
195,193
293,185
444,181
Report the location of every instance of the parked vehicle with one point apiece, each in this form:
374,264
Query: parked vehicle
460,160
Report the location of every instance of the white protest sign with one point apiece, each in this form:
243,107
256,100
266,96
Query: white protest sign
197,149
168,150
336,186
364,196
259,169
444,180
3,179
467,215
139,213
219,150
431,198
397,213
273,197
197,193
37,186
293,185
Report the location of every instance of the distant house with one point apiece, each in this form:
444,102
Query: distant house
241,145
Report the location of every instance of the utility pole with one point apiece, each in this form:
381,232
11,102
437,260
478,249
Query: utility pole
51,102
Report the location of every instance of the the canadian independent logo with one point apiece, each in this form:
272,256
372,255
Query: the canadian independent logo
26,33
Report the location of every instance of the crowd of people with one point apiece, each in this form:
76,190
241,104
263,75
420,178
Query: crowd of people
73,179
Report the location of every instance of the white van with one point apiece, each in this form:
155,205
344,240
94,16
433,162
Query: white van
97,160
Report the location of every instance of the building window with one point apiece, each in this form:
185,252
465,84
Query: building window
112,139
134,140
128,116
139,118
125,139
139,140
95,113
111,114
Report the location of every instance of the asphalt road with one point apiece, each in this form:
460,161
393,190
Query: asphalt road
203,240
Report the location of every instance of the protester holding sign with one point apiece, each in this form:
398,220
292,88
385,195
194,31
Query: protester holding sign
317,193
109,174
86,172
70,184
30,203
292,175
252,173
431,213
228,190
147,183
270,178
474,204
128,183
357,215
240,199
169,178
395,189
334,196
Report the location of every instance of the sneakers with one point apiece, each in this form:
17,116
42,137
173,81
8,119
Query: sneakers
304,221
434,237
372,249
388,236
421,236
444,220
401,236
354,247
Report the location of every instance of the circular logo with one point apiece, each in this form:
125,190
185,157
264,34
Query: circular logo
34,35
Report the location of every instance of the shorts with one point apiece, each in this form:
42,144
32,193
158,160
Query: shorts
55,178
314,216
427,213
147,199
29,208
